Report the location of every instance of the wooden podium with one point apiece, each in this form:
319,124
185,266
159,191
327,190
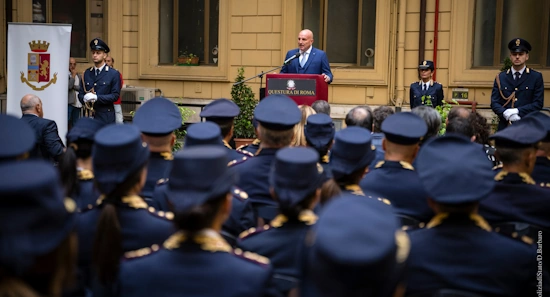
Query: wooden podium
302,88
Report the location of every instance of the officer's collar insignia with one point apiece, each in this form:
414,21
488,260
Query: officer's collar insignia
167,156
319,168
325,159
256,142
308,217
141,252
525,178
95,41
403,246
500,176
477,219
227,145
208,241
518,42
527,70
134,201
355,190
106,68
406,165
70,205
499,166
279,221
379,164
85,174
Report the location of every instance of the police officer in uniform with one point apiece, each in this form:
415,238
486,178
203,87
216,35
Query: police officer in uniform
18,138
100,85
223,112
295,182
519,90
516,196
484,263
319,132
426,91
403,132
242,216
157,120
276,115
196,260
541,172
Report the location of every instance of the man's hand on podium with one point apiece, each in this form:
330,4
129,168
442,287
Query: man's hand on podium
326,77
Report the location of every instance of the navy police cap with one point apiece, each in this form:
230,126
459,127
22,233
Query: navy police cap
544,120
427,65
158,116
99,45
17,137
220,108
404,128
518,45
278,112
84,129
357,247
199,174
351,151
319,130
203,133
441,158
521,134
295,174
117,153
35,217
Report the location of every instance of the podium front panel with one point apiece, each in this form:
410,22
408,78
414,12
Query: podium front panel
304,89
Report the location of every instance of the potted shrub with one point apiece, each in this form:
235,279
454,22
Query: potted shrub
187,59
243,96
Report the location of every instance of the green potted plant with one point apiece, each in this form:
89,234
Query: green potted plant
187,59
243,96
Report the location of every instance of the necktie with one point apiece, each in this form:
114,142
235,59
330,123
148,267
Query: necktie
424,87
517,74
304,59
96,72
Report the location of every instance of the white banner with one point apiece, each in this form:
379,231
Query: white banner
38,63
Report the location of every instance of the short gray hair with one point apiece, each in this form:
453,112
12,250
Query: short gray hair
30,103
432,119
321,106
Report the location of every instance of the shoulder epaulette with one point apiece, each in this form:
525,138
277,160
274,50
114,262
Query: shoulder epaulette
238,193
246,153
85,174
545,185
383,200
162,181
253,257
141,252
527,69
253,231
162,214
497,167
237,161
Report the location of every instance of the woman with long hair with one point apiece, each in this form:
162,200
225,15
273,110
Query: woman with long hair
38,250
299,137
121,221
295,182
196,260
75,165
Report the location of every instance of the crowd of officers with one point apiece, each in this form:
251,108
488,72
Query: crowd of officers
123,216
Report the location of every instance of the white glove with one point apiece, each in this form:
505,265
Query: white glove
90,97
509,112
514,118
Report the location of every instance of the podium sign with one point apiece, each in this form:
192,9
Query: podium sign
302,88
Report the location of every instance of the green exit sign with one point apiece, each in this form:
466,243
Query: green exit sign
460,94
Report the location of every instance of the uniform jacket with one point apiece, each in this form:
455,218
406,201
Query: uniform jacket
541,173
251,148
516,198
435,90
158,168
282,241
48,144
317,63
529,94
407,197
107,88
461,253
201,266
87,194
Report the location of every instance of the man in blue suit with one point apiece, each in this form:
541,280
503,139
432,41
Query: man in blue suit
101,84
310,61
519,90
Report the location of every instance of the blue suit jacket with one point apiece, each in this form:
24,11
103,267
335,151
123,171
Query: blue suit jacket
529,94
48,144
435,91
317,63
107,88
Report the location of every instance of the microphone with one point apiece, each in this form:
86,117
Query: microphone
291,58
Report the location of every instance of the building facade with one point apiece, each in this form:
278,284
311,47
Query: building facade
374,46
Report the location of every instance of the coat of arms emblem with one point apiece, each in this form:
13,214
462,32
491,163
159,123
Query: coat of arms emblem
38,66
290,85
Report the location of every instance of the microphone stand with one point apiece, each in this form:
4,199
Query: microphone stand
261,76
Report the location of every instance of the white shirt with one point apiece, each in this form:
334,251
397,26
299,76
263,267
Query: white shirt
520,72
305,55
100,68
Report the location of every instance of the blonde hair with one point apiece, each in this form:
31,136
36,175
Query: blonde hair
299,137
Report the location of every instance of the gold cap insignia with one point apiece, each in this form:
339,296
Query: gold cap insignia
95,41
518,42
424,63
